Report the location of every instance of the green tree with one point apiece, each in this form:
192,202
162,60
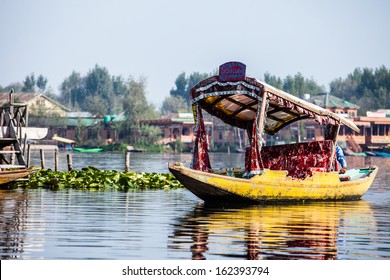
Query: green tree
181,87
184,85
296,85
174,104
195,78
98,83
135,103
29,83
119,91
41,82
96,104
273,80
72,90
368,88
16,86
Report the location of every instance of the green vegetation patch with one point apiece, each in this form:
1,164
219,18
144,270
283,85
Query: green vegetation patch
90,178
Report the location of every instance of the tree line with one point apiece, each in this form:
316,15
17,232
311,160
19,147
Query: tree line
100,93
368,88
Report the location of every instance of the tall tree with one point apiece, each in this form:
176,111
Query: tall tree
296,85
96,104
18,87
41,82
98,82
72,91
195,78
119,91
182,88
29,83
135,103
368,88
174,104
273,80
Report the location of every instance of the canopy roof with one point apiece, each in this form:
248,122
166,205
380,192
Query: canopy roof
237,101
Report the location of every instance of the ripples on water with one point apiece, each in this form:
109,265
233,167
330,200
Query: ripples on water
43,224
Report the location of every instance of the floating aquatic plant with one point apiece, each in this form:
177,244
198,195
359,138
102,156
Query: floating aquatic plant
91,178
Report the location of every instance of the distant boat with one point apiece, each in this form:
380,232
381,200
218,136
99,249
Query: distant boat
384,151
382,154
87,150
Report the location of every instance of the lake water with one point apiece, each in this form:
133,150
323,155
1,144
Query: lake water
71,224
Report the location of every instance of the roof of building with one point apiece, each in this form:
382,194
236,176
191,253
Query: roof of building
326,100
27,97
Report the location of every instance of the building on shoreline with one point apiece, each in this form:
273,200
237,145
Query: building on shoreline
83,126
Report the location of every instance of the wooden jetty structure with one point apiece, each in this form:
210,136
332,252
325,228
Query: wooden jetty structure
13,121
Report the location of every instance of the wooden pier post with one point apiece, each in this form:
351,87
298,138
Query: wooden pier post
12,159
127,161
69,160
42,154
56,160
28,154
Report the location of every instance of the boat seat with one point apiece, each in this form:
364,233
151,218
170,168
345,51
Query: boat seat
299,159
230,171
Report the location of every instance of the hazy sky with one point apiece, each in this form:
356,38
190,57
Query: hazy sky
322,40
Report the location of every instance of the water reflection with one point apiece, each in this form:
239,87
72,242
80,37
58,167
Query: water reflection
13,211
271,232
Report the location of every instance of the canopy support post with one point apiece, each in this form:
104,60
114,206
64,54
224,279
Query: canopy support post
331,133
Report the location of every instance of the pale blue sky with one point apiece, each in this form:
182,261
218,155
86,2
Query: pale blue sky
322,40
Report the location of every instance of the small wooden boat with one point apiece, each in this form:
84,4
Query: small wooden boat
290,172
88,150
383,152
7,176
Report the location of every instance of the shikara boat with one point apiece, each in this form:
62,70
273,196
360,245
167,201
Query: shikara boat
88,150
291,172
7,176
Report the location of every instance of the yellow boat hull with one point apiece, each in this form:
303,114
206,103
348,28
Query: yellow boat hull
274,185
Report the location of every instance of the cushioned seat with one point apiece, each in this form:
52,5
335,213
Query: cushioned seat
299,159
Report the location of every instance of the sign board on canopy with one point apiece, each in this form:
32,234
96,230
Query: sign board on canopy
232,71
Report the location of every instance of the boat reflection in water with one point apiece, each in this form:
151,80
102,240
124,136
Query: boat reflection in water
314,231
13,211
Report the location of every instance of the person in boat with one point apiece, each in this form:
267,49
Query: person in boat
341,159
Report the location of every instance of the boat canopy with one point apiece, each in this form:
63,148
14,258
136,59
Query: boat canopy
237,102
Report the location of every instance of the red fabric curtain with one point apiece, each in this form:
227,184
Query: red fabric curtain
200,160
253,162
